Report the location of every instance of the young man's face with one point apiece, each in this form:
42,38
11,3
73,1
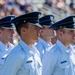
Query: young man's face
32,32
68,35
7,34
47,32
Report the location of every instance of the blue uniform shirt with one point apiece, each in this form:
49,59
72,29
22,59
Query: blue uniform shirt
43,47
23,60
4,51
59,61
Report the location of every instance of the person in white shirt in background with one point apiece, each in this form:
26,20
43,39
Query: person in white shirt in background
44,44
6,34
60,59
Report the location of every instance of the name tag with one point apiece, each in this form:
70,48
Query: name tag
63,62
29,61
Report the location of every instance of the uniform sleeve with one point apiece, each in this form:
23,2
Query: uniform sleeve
49,60
12,64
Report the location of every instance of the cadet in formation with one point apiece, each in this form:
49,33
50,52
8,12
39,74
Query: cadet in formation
24,59
6,35
60,59
44,44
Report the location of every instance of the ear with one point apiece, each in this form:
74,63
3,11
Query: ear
0,31
41,30
23,29
60,32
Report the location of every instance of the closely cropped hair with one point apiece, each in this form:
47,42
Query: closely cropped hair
18,28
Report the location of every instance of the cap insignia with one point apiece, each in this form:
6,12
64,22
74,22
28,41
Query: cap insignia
73,19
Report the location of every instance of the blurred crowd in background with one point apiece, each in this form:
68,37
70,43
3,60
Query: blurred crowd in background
64,5
18,7
60,8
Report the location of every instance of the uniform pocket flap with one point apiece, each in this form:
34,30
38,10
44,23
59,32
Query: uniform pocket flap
63,64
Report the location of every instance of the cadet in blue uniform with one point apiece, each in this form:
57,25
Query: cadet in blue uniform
60,59
6,34
44,44
24,59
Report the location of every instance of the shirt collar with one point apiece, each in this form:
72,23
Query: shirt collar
62,47
2,46
25,47
45,44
